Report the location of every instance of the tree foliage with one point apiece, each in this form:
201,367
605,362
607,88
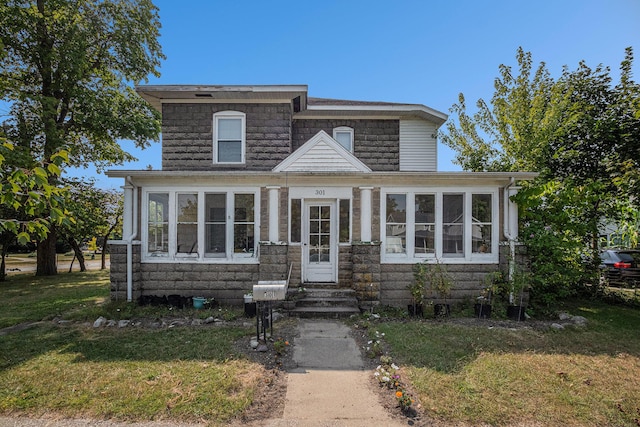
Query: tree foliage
95,212
67,69
582,134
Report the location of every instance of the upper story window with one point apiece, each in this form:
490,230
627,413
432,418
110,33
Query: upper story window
229,129
344,135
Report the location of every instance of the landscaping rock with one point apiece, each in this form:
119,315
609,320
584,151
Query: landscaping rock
111,323
579,320
564,316
100,322
123,323
557,326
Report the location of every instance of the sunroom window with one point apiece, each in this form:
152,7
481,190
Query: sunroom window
453,225
158,224
244,225
396,229
201,225
215,224
425,220
187,226
481,209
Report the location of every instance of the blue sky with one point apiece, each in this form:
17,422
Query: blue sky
424,52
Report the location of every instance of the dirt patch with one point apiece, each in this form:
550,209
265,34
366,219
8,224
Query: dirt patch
269,400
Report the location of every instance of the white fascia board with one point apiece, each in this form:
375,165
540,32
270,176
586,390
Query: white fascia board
221,88
403,108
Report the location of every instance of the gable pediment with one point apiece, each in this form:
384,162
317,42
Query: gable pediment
321,153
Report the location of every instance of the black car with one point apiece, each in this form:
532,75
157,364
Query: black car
621,267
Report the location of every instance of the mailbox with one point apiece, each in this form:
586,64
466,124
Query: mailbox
270,290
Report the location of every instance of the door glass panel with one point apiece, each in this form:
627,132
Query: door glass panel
319,234
326,212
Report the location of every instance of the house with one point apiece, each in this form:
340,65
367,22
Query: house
258,179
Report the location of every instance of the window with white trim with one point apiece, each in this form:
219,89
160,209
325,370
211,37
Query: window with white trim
201,225
425,224
244,224
187,224
453,227
158,224
344,135
396,230
215,227
481,217
229,130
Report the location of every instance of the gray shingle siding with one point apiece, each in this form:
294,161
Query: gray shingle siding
376,142
187,135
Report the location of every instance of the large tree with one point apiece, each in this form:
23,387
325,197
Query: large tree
67,72
581,134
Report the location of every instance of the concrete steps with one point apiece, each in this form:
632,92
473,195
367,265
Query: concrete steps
320,300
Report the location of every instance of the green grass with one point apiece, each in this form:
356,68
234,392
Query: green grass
26,298
74,370
178,373
461,374
501,376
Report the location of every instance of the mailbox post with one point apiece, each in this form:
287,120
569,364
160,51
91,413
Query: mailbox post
264,293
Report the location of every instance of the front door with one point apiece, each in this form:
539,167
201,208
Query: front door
320,243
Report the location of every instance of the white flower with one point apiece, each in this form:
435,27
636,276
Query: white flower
394,366
386,379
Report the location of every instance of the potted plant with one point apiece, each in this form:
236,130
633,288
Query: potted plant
518,284
417,289
249,305
482,308
442,283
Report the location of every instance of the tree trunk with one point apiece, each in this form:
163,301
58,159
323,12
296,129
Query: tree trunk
104,245
3,266
6,240
46,259
78,254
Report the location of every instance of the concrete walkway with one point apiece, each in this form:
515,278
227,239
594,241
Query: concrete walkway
330,386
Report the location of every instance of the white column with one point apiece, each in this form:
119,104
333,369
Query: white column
127,215
365,214
274,214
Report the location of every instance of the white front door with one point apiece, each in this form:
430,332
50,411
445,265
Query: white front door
320,245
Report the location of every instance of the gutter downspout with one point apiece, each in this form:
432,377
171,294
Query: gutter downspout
129,239
508,233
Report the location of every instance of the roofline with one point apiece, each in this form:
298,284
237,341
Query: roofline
223,88
138,173
379,108
156,95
